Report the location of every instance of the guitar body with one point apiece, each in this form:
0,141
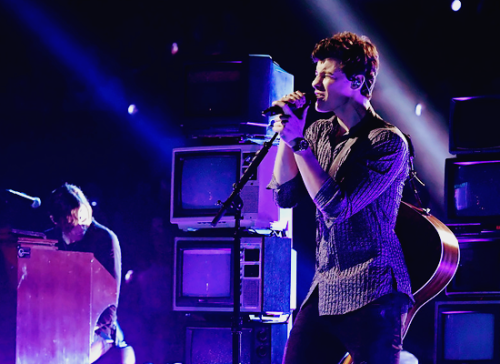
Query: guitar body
431,253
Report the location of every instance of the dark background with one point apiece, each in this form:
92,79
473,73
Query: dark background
69,70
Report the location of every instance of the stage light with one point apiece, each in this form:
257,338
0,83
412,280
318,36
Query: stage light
129,275
175,48
132,109
94,203
418,109
456,5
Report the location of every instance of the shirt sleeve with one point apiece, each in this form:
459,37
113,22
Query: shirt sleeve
368,172
288,194
108,252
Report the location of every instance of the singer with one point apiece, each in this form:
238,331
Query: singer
353,166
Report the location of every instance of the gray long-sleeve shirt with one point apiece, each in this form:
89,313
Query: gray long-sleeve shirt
358,256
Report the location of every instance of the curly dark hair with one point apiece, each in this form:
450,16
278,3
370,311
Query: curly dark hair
356,55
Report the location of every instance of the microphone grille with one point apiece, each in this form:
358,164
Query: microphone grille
36,203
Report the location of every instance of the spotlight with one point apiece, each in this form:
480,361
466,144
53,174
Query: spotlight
418,109
456,5
174,49
94,203
132,109
129,275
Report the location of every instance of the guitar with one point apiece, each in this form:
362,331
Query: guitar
431,253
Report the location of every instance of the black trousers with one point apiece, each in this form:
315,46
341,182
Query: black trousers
371,334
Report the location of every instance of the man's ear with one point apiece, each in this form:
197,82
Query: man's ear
357,81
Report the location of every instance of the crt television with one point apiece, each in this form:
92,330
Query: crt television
473,124
467,332
203,274
226,96
472,189
478,273
202,176
260,344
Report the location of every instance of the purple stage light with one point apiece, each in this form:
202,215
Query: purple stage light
175,48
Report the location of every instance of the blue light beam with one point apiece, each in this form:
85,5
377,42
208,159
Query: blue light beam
86,68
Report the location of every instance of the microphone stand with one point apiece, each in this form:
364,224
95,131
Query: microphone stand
235,202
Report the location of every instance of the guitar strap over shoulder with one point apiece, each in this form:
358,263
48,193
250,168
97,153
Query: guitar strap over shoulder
342,156
412,177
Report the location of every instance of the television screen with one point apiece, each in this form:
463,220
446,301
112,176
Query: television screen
217,173
468,335
473,191
206,272
481,112
479,258
467,332
203,274
215,89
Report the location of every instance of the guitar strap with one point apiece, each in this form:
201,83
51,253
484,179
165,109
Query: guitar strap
412,177
349,145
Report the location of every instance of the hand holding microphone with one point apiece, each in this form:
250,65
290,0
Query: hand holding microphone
292,113
303,101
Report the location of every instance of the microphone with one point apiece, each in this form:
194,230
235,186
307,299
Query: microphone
300,105
36,201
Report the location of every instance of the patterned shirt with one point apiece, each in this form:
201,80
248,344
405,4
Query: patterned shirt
358,255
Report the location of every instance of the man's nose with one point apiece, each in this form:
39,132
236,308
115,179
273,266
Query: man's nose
316,83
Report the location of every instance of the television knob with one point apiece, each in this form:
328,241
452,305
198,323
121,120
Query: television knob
262,350
262,335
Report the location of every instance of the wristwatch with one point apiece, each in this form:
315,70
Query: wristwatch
299,144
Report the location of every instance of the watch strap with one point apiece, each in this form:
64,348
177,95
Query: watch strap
299,144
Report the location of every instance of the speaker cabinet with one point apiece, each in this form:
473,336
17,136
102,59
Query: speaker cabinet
260,344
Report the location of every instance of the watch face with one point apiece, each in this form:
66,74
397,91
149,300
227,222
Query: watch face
299,144
303,145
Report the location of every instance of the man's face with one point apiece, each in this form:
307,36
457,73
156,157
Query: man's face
331,86
75,225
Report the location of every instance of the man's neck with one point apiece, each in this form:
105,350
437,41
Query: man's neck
352,113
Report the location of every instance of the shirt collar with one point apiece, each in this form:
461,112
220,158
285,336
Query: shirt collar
364,125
